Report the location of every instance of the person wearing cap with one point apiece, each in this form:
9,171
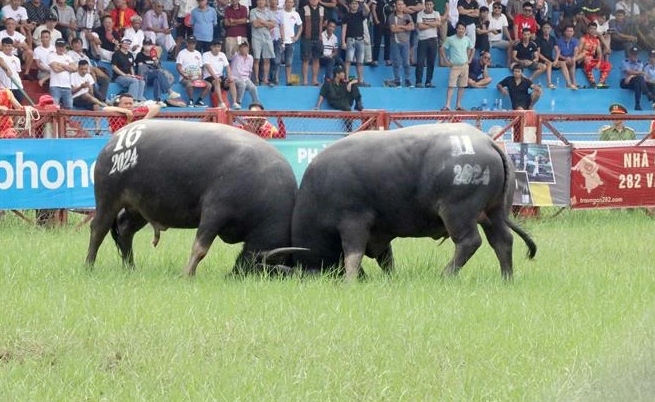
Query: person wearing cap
21,48
105,39
122,64
519,88
241,65
189,66
135,34
215,65
61,66
633,77
590,54
149,67
340,93
617,131
10,67
204,20
50,26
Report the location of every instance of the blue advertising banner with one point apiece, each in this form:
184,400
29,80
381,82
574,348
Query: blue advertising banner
58,173
55,173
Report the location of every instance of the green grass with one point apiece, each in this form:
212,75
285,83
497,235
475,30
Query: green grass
577,323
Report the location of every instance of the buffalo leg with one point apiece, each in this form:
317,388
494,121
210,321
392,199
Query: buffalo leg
128,222
385,260
353,243
464,233
500,237
100,225
207,232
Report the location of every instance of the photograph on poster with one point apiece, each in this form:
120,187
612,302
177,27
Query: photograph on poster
522,194
534,159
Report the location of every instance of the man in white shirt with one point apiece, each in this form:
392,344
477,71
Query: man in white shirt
41,56
61,66
18,13
135,34
498,27
625,6
189,66
21,48
214,63
428,22
99,75
82,83
9,78
290,33
50,23
330,57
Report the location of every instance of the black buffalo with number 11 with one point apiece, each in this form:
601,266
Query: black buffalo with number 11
438,181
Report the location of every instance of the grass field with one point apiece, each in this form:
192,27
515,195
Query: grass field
577,323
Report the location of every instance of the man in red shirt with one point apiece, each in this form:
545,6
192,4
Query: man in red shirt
122,15
236,25
590,54
130,113
525,20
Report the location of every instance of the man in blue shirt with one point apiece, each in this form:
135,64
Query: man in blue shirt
567,44
203,21
632,77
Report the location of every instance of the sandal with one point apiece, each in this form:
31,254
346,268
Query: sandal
445,109
573,87
460,108
551,86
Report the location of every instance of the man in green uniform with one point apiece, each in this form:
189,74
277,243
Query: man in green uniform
617,131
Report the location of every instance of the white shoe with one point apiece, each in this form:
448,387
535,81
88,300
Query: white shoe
162,104
173,94
236,106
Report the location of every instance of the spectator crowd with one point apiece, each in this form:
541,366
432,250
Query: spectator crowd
75,48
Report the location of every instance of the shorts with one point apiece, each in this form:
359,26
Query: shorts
458,76
355,50
262,49
311,49
225,86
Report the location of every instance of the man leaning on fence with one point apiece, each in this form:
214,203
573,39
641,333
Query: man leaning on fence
129,113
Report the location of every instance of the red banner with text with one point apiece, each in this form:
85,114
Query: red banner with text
613,177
